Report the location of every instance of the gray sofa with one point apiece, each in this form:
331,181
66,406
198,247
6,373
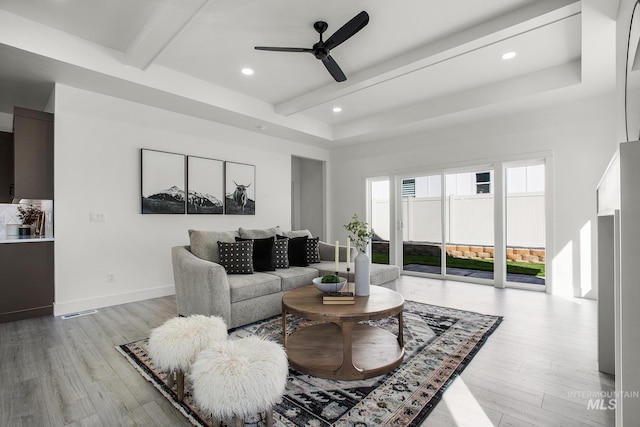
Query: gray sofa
204,287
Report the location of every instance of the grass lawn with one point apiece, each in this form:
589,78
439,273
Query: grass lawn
470,264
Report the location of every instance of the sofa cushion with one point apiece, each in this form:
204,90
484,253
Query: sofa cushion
383,273
282,252
247,233
313,254
204,244
298,251
295,277
249,286
328,252
264,253
297,233
236,257
378,273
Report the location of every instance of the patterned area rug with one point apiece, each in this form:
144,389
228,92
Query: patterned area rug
439,343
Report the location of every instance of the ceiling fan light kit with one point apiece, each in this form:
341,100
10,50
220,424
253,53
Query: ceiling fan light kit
321,50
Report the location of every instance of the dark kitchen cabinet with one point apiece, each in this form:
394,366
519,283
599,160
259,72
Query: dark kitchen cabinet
6,167
33,154
26,287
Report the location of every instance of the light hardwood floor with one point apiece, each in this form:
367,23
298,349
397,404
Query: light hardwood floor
539,368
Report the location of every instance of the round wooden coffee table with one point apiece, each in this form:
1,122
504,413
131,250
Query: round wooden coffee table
340,348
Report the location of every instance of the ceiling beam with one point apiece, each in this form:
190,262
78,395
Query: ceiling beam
522,20
554,78
167,21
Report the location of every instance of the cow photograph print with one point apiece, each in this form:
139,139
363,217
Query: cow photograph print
240,189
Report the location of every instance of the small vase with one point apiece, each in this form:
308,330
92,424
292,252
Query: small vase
361,265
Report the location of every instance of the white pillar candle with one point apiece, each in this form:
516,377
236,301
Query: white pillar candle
337,256
348,251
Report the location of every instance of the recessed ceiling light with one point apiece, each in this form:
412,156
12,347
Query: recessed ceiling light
337,109
509,55
247,71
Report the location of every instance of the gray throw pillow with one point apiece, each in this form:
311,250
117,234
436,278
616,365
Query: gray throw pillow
297,233
237,258
204,244
246,233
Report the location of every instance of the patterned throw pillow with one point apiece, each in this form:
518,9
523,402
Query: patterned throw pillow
236,258
313,252
264,253
282,252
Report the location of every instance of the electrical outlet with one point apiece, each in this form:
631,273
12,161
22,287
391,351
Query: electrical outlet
1,219
111,277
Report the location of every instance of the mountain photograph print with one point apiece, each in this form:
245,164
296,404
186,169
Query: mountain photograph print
205,186
240,189
163,182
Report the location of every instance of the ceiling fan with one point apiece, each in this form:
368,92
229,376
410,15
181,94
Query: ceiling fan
322,49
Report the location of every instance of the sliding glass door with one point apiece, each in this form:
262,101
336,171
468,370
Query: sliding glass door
443,224
525,224
422,224
470,232
379,210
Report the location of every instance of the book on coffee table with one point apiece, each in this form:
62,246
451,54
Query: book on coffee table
338,295
338,298
338,301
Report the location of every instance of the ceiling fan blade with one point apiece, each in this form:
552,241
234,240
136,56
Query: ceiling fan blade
356,23
284,49
334,69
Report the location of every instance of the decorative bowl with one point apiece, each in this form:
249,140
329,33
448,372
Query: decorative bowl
329,287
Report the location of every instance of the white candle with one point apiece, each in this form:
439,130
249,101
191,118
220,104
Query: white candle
337,256
348,251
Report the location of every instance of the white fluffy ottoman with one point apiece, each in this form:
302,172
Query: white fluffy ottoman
239,378
174,346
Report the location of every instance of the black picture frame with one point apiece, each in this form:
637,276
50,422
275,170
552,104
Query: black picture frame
163,182
240,189
205,186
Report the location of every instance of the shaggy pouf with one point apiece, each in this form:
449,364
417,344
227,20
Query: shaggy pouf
239,377
175,345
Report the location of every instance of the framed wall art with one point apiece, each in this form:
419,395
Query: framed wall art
163,182
240,189
205,186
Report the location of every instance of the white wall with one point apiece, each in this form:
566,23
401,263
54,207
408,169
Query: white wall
580,135
97,170
6,122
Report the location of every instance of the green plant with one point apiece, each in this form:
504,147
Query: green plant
330,278
361,234
29,215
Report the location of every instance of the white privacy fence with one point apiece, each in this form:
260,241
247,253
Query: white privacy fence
470,219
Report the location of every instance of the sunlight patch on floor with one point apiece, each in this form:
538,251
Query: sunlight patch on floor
464,408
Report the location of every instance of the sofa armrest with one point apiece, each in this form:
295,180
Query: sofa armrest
328,252
201,286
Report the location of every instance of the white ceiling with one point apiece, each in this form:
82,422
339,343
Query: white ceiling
415,63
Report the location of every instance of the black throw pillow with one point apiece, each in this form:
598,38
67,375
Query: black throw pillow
298,251
264,253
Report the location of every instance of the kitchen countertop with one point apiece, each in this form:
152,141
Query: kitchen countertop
26,239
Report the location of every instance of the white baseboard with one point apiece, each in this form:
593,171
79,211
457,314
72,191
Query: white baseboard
66,307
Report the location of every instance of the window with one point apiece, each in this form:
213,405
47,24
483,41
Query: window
483,182
409,187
